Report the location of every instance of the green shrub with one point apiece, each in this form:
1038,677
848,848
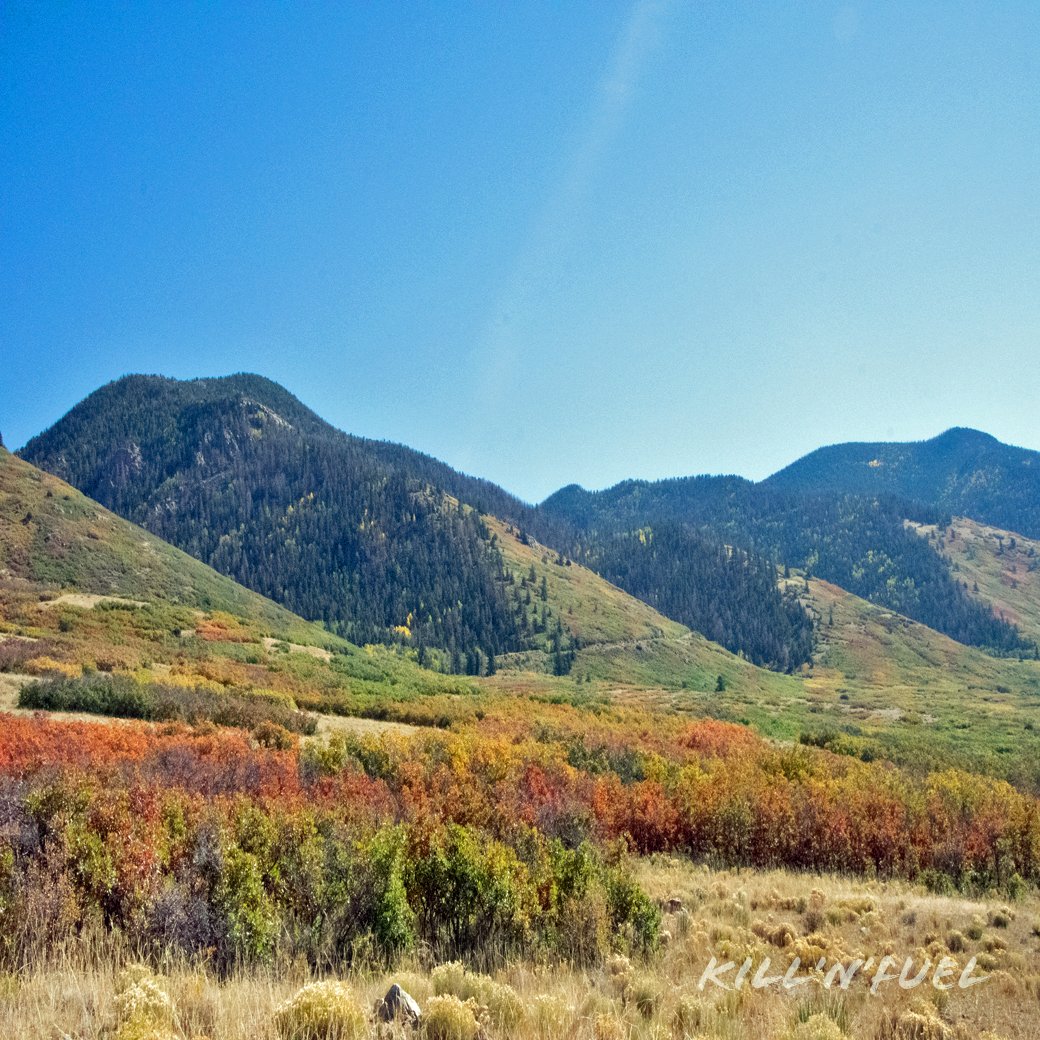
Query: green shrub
938,882
633,913
249,918
471,892
393,923
121,697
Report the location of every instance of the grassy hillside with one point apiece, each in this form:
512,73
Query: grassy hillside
881,687
563,608
999,567
590,608
621,643
83,592
886,686
100,593
56,537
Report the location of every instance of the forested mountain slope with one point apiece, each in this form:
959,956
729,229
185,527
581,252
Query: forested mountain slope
962,472
377,541
858,542
241,475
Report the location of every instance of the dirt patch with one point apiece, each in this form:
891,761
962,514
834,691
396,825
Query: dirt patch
298,648
892,714
88,600
329,724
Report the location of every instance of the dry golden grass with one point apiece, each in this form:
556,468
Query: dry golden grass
725,914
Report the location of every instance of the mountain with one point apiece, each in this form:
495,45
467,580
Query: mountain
859,542
961,472
346,531
381,543
376,541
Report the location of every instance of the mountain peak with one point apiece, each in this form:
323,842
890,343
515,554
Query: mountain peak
965,435
962,471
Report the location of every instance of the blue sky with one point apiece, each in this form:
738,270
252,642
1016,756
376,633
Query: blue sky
545,242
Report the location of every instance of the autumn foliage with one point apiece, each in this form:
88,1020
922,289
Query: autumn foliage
475,844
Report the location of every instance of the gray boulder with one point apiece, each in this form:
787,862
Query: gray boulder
399,1006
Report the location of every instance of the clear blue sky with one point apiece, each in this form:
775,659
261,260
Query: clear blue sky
546,242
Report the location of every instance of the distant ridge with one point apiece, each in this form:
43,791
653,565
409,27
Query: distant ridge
963,472
849,530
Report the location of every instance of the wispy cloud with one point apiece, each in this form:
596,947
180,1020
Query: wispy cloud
499,355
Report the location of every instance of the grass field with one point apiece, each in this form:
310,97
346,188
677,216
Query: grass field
726,915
